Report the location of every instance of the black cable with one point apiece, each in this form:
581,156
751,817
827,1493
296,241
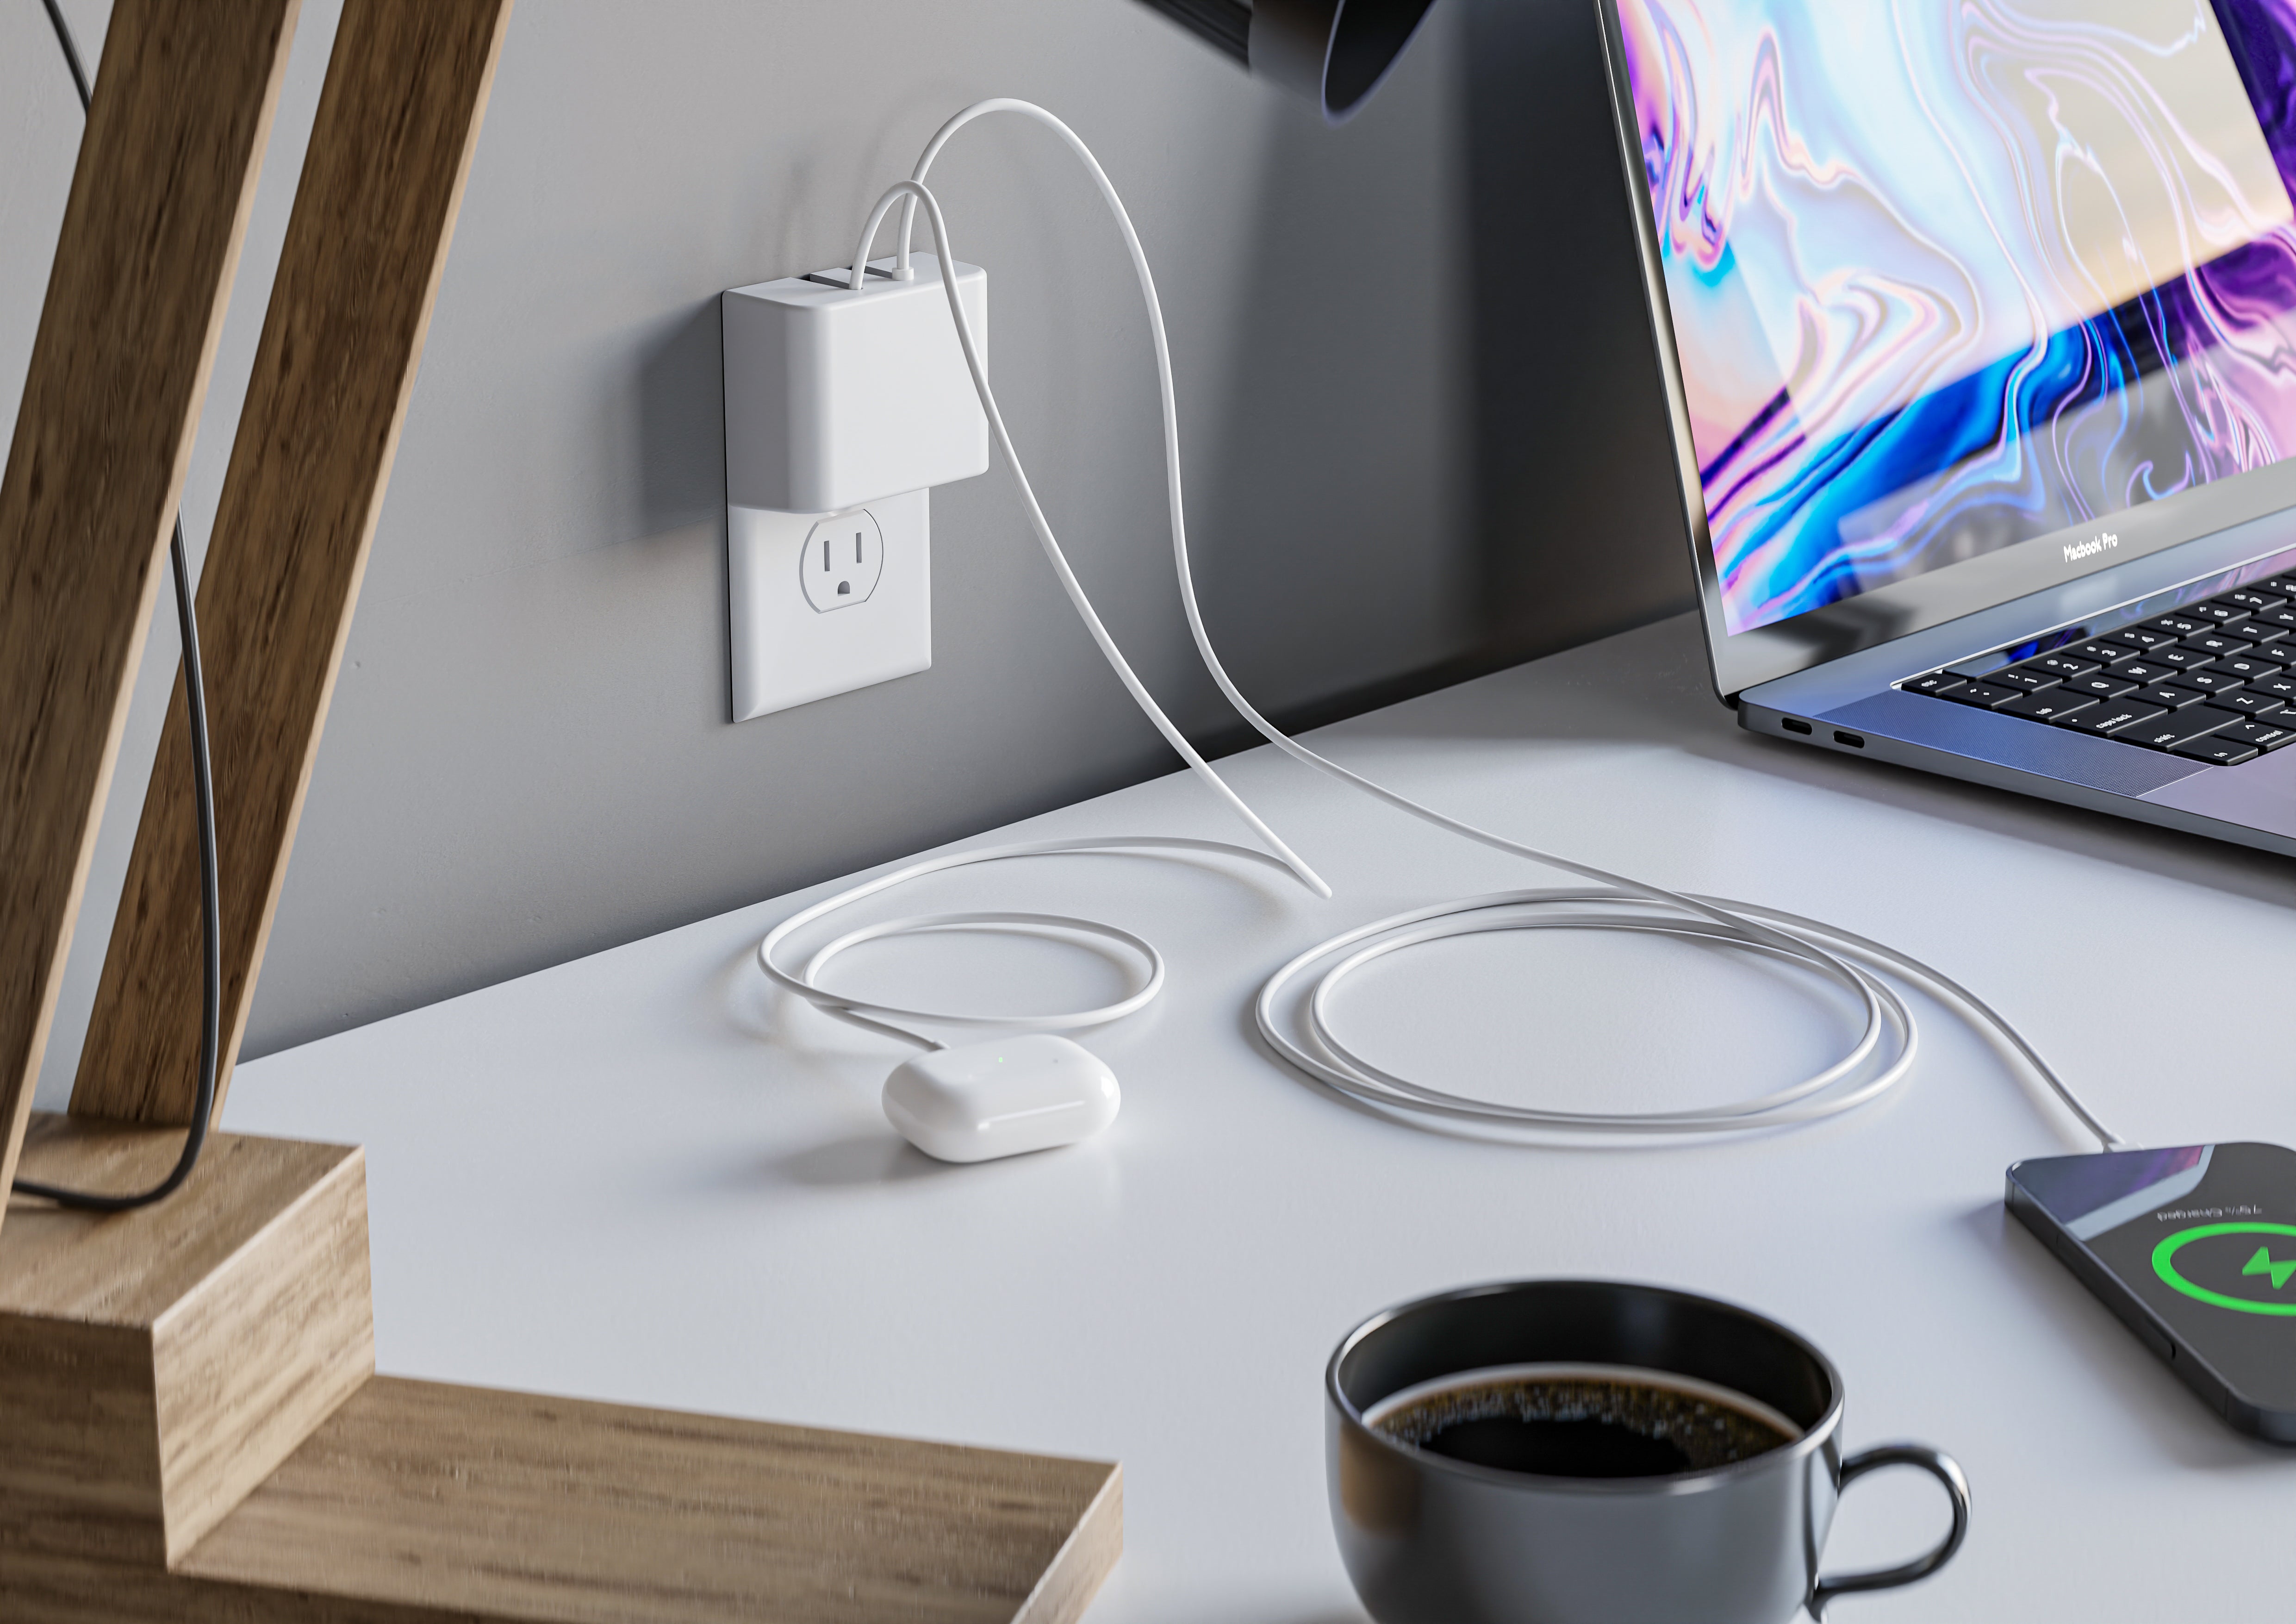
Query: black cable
195,708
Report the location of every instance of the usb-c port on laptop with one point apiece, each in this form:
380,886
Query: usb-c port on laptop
1793,724
1854,740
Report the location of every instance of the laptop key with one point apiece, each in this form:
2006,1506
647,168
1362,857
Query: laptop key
2282,619
1983,694
2246,702
2272,653
2111,716
2169,695
2218,610
2182,657
2174,727
2048,705
2282,686
1935,682
2102,685
2218,643
2213,680
2025,678
2140,636
2284,585
2176,625
2264,736
2215,750
2142,670
2256,597
2248,667
2066,665
2103,650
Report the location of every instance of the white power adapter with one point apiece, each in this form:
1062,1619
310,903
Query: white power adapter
836,396
843,405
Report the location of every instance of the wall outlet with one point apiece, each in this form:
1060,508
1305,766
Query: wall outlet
823,603
844,560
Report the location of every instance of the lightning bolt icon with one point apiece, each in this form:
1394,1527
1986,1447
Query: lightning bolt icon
2262,1263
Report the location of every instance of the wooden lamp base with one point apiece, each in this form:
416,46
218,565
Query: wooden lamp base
191,1428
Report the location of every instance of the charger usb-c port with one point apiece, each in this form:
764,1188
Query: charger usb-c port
844,278
1852,739
1793,724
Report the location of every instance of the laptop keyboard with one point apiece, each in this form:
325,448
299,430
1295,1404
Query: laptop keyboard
2215,681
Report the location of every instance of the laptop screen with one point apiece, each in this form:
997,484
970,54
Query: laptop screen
1943,277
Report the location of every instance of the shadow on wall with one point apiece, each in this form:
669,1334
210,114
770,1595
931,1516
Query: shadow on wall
1448,449
1338,551
681,424
681,400
1582,527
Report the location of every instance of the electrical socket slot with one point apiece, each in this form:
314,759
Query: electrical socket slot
843,559
795,637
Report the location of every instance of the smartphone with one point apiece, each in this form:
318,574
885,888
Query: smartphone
2195,1247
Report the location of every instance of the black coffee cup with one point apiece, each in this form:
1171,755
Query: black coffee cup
1428,1538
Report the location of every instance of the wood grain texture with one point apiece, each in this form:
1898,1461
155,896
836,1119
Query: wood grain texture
204,1367
421,1503
382,178
46,1587
129,1269
269,1346
157,1366
79,1443
1083,1563
500,1505
150,236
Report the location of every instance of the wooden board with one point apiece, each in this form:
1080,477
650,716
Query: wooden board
191,1430
467,1503
157,1366
382,179
151,237
424,1504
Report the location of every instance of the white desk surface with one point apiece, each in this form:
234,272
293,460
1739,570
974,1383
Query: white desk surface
640,1178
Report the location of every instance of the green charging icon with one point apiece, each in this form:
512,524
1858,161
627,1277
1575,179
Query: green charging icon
2260,1265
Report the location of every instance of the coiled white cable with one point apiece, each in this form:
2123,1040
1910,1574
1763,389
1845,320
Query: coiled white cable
1877,1061
806,983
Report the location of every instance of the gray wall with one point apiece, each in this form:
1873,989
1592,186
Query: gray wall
1389,399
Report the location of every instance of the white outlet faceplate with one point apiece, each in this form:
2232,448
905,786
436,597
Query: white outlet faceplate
844,558
826,602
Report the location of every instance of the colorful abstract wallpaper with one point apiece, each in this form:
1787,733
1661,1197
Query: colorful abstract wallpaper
1949,275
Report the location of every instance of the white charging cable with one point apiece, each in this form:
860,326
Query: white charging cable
806,983
1878,1059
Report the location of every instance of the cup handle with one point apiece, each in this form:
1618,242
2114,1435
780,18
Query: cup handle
1939,1465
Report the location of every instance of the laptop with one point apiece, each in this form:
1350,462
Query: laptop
1978,329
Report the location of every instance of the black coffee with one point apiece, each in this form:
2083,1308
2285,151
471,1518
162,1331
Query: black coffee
1581,1426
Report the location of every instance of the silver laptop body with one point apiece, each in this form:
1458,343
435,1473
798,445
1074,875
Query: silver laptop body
1979,338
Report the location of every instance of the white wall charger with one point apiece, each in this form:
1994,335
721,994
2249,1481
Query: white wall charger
836,396
843,406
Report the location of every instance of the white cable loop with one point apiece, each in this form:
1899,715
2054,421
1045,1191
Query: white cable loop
885,1018
1876,1063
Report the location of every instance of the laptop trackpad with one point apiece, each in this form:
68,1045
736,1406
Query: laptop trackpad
2260,793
